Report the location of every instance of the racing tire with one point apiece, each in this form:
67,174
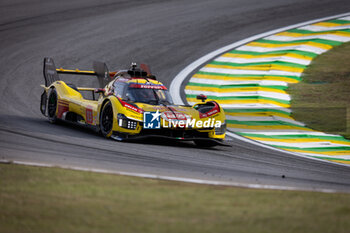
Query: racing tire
52,106
106,120
205,143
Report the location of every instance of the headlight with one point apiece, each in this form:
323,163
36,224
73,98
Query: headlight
125,122
221,130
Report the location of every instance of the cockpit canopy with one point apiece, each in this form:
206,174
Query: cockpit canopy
148,96
139,85
148,93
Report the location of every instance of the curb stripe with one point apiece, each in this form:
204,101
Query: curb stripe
227,70
241,60
294,53
277,57
305,48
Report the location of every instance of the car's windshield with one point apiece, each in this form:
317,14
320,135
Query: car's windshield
149,96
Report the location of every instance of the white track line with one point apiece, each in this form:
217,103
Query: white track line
326,37
260,49
239,60
322,29
258,83
173,178
253,72
239,94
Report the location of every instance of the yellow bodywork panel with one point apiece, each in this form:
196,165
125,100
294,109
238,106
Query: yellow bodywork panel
88,112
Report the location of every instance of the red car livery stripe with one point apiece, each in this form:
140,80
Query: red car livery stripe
148,86
129,106
63,106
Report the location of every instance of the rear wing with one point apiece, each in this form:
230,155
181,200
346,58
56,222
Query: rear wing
100,71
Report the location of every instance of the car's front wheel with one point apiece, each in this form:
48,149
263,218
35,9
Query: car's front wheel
106,119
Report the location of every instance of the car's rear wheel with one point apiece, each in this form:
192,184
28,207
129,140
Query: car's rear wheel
52,106
106,119
205,143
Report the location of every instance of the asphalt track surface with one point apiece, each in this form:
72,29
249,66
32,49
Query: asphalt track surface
167,35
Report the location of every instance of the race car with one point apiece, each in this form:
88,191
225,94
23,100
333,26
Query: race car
129,104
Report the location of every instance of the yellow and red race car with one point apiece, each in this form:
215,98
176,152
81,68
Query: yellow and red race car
129,104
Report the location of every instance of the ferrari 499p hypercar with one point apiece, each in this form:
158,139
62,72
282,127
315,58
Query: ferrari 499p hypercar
129,104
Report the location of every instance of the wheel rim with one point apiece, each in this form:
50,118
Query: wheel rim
107,118
52,105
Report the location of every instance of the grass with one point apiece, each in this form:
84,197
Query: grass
36,199
322,98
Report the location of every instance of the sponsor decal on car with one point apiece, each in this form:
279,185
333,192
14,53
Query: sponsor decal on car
149,86
129,106
169,115
209,123
152,120
210,113
89,116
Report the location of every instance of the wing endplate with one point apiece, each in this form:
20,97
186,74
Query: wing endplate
102,73
50,73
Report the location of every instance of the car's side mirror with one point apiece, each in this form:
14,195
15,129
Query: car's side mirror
202,97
